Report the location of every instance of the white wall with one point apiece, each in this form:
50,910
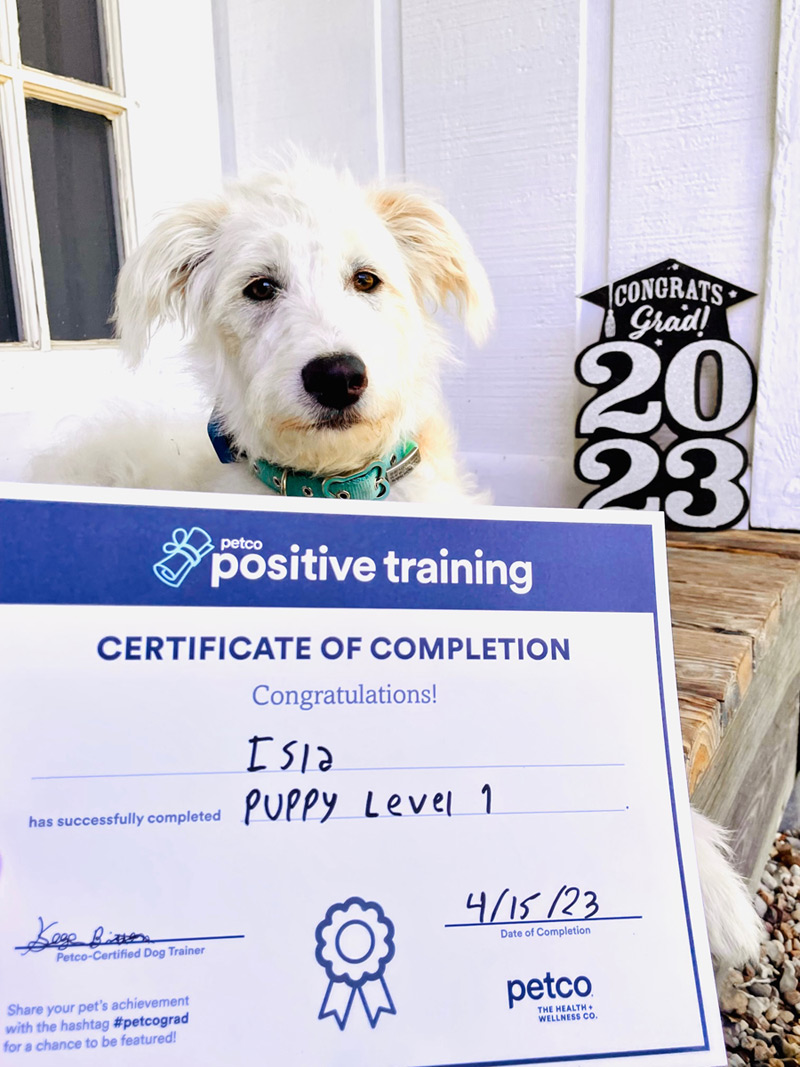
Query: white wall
576,140
776,459
692,130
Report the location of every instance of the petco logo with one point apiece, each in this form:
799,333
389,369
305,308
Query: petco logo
554,988
182,554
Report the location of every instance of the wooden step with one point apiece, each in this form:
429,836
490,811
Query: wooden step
735,599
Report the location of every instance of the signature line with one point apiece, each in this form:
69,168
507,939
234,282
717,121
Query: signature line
122,944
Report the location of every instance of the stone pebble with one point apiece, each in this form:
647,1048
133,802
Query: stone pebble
760,1004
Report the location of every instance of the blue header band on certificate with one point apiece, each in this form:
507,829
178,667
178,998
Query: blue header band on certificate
148,555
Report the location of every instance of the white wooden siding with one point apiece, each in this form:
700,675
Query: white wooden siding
691,148
776,459
307,74
576,140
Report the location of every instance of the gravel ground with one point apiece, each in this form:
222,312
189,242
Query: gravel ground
761,1005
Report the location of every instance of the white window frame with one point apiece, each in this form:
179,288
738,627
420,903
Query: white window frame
19,83
169,113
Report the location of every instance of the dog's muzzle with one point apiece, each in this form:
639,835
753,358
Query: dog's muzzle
336,381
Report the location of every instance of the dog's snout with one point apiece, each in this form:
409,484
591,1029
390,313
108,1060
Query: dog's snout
336,381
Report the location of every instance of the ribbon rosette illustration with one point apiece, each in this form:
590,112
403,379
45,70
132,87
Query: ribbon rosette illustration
183,553
355,941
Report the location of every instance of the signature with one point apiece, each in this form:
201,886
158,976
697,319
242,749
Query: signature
47,937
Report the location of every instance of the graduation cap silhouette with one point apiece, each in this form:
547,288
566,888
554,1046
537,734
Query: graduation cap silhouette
667,305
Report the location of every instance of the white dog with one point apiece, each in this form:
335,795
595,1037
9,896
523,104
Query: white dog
307,301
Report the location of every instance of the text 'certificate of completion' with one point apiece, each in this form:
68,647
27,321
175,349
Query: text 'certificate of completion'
292,784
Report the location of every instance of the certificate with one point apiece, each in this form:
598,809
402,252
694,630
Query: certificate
291,784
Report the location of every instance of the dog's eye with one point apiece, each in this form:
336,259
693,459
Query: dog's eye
262,289
365,281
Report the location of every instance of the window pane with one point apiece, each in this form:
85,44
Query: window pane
9,320
63,37
73,179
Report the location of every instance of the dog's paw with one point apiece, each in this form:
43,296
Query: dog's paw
735,931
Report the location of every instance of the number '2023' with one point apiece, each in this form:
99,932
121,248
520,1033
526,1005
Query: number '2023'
695,481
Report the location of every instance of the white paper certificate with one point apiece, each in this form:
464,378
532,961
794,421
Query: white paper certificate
292,784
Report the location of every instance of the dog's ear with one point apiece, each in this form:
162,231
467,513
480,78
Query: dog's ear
439,256
154,281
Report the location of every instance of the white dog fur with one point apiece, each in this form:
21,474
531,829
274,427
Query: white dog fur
311,232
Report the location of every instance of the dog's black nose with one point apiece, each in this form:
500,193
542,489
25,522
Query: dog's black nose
336,381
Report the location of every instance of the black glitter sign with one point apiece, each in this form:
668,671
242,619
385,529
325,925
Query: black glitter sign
665,365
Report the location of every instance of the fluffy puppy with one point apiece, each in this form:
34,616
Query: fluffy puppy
307,302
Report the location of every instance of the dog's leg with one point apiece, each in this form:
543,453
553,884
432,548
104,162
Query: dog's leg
734,929
136,449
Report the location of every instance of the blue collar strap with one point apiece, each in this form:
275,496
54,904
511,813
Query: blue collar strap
372,482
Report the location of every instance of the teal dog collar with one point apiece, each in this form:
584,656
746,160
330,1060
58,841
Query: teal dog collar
373,482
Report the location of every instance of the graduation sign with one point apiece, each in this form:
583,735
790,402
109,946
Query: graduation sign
665,365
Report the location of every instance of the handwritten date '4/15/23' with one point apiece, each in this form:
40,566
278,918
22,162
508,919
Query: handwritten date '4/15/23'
569,902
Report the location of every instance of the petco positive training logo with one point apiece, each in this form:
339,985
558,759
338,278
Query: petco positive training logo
182,554
242,558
